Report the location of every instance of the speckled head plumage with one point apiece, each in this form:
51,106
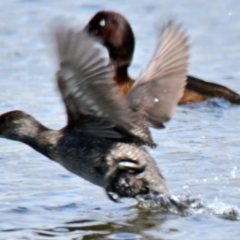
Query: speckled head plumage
18,125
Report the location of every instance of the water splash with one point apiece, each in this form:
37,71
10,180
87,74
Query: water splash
188,206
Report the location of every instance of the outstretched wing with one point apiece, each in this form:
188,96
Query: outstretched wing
85,82
159,87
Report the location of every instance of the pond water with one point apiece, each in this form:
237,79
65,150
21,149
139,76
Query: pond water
198,152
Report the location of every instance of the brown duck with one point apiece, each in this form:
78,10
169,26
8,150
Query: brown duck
117,35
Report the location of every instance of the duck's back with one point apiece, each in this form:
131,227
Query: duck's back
198,90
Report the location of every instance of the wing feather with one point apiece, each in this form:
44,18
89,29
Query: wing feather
85,82
159,87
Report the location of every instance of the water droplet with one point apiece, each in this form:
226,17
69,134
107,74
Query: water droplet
233,172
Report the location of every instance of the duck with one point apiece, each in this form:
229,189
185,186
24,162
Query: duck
106,136
118,37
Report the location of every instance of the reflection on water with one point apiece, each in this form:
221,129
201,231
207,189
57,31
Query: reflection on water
198,152
143,224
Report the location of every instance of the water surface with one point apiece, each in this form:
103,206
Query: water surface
198,152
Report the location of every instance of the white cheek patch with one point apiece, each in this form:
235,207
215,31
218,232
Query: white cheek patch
102,23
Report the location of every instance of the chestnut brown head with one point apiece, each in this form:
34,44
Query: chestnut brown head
117,35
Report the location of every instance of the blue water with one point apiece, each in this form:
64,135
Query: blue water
198,152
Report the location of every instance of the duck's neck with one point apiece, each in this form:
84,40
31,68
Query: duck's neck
45,141
122,79
37,136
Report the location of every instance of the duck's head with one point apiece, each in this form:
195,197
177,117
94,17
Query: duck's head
19,126
117,35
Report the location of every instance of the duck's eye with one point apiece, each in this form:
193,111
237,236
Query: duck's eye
102,23
3,120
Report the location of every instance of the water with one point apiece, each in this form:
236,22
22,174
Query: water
198,152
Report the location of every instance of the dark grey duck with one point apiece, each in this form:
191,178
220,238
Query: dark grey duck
105,136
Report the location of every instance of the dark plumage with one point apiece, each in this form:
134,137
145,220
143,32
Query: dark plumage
104,139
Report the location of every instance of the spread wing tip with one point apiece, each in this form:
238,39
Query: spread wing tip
165,77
